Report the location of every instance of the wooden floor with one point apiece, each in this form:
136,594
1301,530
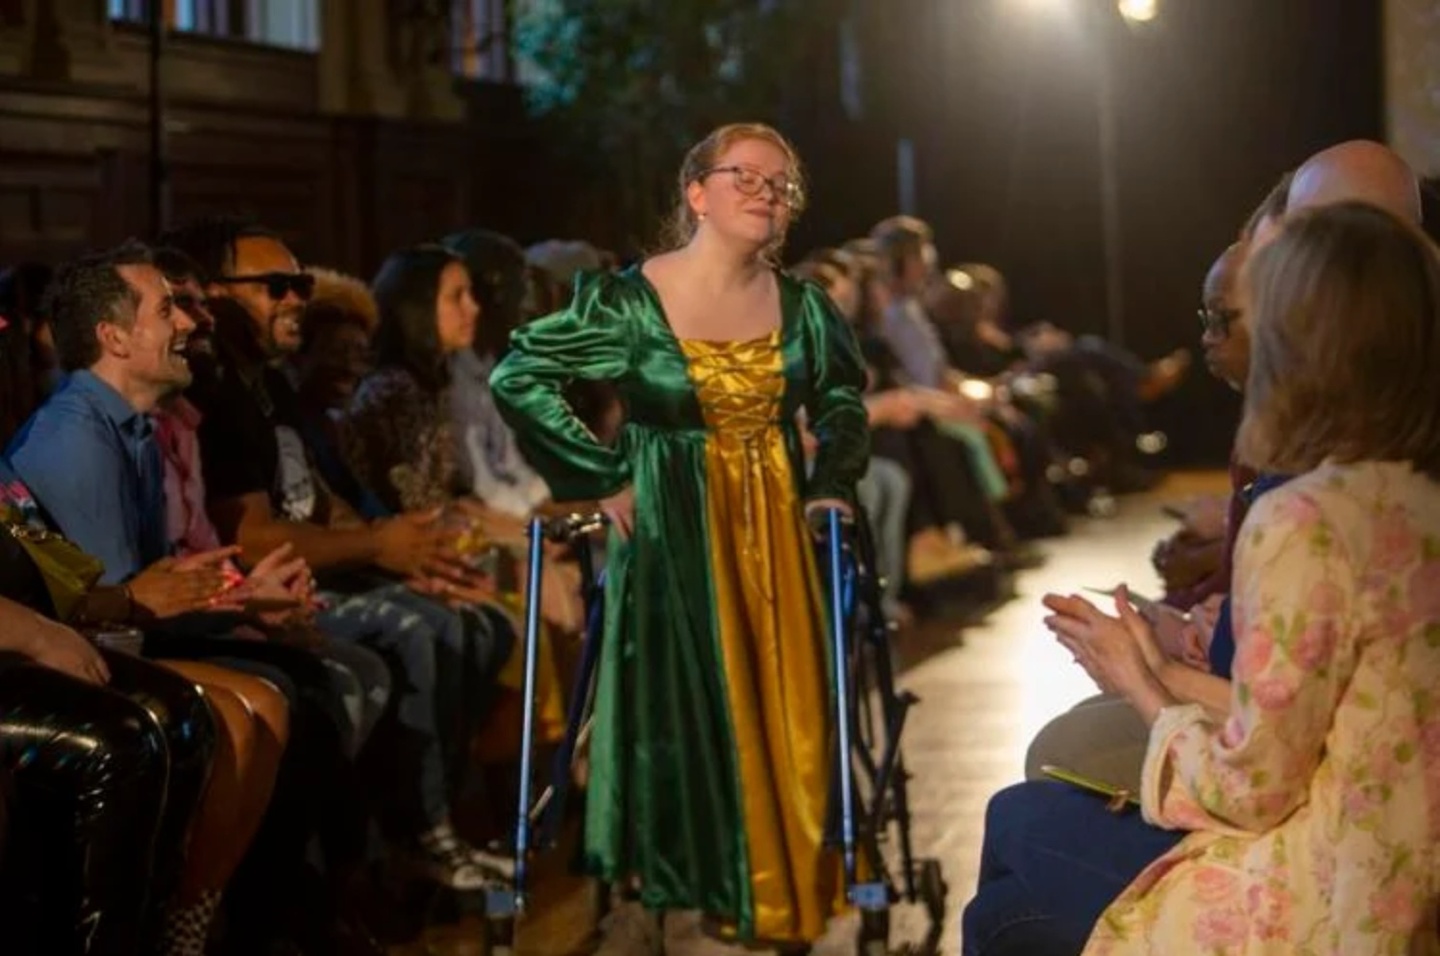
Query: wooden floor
984,693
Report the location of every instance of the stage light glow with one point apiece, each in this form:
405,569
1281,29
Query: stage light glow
1138,11
977,390
960,279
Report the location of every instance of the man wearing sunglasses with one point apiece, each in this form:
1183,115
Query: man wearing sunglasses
379,577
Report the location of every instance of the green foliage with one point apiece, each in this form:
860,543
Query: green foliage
628,85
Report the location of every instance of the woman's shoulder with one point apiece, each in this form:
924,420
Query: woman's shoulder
383,388
610,297
1344,508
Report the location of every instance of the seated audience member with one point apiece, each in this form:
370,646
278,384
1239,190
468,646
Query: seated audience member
1020,442
1283,793
96,468
488,460
334,357
397,431
1194,563
384,581
973,483
1103,738
105,756
359,675
948,504
884,491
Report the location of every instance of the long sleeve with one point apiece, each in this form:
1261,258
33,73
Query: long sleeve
487,456
1296,631
391,437
836,410
590,341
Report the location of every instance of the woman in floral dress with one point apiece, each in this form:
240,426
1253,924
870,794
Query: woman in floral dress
1313,806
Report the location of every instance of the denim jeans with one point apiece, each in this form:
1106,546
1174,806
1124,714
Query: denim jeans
1053,859
884,493
443,664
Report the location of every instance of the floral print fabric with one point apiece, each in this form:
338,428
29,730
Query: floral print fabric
397,439
1316,805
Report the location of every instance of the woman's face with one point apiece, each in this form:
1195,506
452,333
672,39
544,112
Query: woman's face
748,194
456,311
336,360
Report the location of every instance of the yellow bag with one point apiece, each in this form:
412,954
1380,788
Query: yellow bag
68,572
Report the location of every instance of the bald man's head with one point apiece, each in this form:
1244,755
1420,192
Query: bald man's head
1357,171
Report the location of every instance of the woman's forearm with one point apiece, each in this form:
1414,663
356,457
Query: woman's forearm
1197,687
17,628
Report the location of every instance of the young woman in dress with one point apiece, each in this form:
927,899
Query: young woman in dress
712,754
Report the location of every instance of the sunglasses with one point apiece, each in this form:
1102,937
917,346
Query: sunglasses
277,284
1217,321
751,182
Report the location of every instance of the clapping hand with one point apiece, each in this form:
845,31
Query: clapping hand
1118,652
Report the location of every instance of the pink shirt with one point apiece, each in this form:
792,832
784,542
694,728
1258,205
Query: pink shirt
186,521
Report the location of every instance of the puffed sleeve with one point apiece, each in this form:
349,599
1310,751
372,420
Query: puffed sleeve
836,412
592,340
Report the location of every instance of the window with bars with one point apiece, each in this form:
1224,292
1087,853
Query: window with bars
286,23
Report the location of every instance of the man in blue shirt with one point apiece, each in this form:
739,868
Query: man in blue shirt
91,460
89,454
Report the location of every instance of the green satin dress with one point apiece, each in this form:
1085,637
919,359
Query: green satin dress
712,749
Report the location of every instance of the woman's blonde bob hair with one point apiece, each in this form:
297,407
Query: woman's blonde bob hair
703,157
1345,361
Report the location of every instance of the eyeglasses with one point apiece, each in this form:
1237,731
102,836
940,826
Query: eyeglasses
1217,321
751,182
277,284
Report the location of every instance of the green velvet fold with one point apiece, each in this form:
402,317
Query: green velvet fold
664,801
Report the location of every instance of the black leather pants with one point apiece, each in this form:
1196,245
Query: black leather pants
103,784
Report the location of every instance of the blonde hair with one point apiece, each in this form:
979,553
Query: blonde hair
703,156
1345,329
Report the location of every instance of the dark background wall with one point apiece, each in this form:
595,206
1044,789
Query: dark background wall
1212,101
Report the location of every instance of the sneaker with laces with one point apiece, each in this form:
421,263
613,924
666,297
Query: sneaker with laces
499,866
448,860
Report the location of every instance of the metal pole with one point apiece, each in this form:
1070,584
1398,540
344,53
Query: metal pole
159,165
1109,184
841,666
527,724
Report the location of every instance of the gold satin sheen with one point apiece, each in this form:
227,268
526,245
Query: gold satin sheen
667,803
767,607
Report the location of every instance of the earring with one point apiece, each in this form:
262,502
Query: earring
702,217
